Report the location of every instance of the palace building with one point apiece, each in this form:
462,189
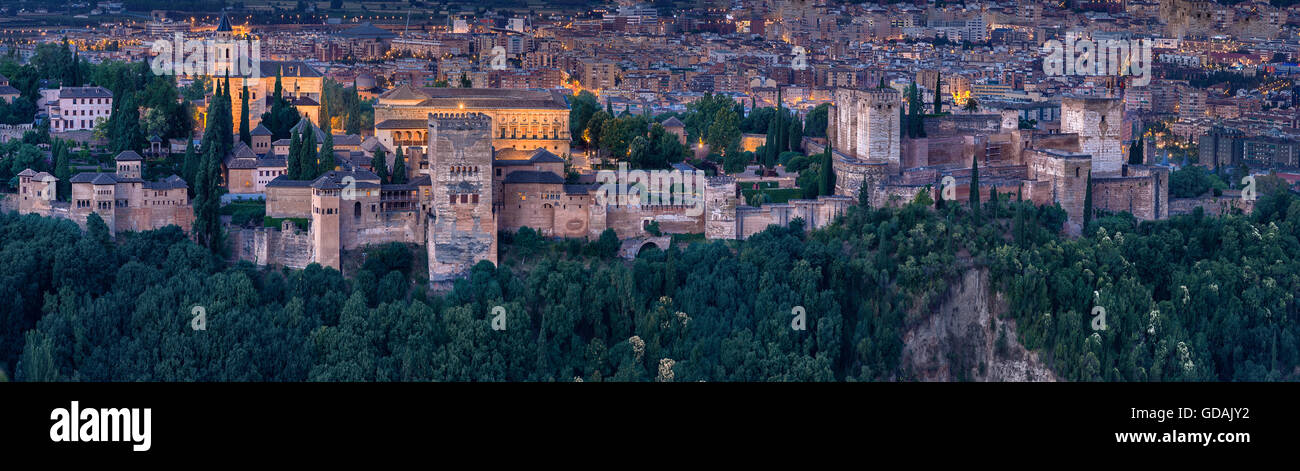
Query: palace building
124,200
523,120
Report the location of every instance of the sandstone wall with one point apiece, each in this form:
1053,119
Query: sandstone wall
851,175
961,124
288,202
815,214
1212,205
1067,175
279,247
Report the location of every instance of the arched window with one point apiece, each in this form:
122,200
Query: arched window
356,210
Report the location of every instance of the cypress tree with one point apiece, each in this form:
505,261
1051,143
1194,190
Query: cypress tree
125,126
278,94
399,167
61,171
795,134
975,188
277,103
826,180
326,154
379,163
780,127
190,165
307,153
244,135
915,126
76,68
1087,203
227,117
938,198
993,201
293,164
938,97
769,145
206,203
212,132
1136,152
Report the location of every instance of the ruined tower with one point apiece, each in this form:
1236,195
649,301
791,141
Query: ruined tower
1098,122
720,203
462,219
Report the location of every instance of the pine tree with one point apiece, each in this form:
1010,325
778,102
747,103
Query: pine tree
244,135
399,166
293,163
975,188
379,163
1087,203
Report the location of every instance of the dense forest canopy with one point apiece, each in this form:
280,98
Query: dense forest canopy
1190,298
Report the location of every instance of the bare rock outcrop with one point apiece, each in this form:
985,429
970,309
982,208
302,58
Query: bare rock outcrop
968,340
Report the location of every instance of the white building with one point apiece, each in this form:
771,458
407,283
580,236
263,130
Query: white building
78,108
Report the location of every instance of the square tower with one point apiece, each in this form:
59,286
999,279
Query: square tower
1098,122
462,217
866,124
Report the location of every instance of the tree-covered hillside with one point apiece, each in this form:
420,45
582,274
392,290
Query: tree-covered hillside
1191,298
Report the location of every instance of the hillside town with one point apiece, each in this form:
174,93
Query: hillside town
306,132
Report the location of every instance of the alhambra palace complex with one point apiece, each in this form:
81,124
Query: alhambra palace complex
487,160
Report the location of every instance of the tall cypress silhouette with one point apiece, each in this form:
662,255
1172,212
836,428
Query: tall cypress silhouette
975,188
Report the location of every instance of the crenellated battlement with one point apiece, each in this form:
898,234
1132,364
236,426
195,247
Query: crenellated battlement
460,121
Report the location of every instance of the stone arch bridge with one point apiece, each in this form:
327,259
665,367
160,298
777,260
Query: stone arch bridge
632,247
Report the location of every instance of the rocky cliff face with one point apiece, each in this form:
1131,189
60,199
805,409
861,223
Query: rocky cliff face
967,340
